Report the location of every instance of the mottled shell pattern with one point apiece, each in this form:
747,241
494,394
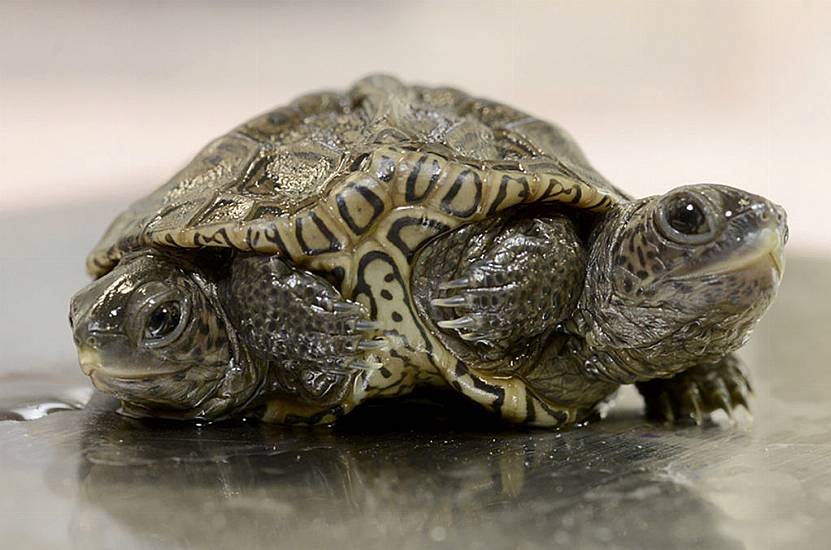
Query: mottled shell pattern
353,184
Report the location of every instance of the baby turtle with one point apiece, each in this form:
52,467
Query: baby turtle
361,244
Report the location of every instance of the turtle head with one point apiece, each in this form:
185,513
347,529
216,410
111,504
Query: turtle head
152,333
682,278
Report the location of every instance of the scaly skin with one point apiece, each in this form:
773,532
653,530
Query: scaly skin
650,308
693,394
663,313
502,283
477,239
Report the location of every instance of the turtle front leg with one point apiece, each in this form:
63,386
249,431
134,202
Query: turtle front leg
693,394
494,284
311,339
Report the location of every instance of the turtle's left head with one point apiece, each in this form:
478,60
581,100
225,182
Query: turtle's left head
152,333
683,278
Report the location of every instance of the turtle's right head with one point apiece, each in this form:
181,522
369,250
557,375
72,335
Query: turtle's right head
152,333
681,279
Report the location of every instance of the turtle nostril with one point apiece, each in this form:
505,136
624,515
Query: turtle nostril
780,215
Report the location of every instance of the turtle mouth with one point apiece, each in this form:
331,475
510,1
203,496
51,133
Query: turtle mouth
91,365
89,359
777,261
763,253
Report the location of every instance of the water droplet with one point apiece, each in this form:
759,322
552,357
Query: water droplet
28,397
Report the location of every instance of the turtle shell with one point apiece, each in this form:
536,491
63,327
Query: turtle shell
352,185
248,189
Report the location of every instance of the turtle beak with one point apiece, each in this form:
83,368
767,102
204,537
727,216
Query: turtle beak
89,359
79,311
778,222
85,339
95,320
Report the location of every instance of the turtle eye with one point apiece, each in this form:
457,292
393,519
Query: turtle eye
163,320
686,218
164,323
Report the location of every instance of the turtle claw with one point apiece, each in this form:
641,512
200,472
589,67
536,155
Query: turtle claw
720,397
695,407
365,325
694,394
740,398
474,337
453,301
347,307
380,344
723,402
463,282
666,410
360,365
462,322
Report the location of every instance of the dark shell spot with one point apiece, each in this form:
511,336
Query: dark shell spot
386,294
642,274
397,317
627,285
389,278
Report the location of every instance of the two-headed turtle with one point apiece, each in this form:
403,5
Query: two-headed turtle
360,244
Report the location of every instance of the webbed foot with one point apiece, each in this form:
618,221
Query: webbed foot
691,396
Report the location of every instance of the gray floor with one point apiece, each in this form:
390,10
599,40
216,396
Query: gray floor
398,475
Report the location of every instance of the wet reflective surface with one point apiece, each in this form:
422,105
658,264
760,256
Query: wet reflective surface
408,474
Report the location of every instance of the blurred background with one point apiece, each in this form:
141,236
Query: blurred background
100,102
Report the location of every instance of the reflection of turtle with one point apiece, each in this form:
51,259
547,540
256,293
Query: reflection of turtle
361,244
398,475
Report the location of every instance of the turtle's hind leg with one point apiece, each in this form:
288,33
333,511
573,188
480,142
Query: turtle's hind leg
492,285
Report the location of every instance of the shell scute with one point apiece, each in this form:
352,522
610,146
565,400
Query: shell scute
351,186
508,189
462,196
317,233
361,202
317,177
